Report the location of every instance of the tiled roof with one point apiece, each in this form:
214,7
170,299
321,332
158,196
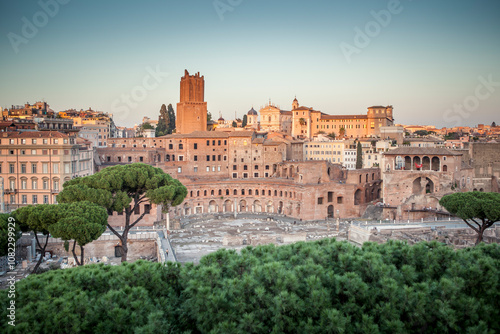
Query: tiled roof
421,151
240,134
273,143
326,116
34,134
203,134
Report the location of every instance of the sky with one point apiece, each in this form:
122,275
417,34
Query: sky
435,62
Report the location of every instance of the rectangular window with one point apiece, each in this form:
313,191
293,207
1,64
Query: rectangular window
245,175
23,168
339,200
11,168
34,184
24,184
33,152
45,184
66,168
208,142
181,158
33,168
54,152
12,199
320,200
45,199
195,146
24,199
35,199
195,169
195,158
208,168
147,208
137,210
56,185
208,158
56,167
255,174
235,175
179,169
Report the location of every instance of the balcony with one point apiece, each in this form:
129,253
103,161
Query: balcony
10,191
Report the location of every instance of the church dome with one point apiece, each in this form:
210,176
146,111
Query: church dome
252,112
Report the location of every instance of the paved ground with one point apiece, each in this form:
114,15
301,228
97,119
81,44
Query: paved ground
200,238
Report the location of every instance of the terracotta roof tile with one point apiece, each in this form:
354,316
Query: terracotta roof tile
421,151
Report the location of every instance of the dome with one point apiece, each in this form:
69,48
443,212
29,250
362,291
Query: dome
252,112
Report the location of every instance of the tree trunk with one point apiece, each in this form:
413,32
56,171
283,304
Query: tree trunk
74,254
124,245
42,254
480,235
81,255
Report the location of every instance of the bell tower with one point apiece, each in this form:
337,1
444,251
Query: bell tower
192,108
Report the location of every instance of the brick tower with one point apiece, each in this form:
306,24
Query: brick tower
192,109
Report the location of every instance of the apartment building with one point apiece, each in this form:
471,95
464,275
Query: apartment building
34,165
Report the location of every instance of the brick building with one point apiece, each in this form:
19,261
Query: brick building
415,178
192,108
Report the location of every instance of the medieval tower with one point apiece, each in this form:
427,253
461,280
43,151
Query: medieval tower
192,108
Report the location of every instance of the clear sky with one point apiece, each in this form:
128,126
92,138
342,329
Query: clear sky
436,62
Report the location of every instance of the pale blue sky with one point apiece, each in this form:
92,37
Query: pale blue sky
425,59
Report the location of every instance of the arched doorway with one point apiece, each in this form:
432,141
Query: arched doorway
228,206
417,186
408,165
257,207
357,197
280,207
435,164
426,163
429,187
269,206
243,205
212,206
187,209
330,211
417,163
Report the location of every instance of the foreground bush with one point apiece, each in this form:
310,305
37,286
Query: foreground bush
320,287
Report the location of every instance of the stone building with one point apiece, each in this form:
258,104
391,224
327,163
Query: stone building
485,158
192,108
244,171
273,119
303,190
415,178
